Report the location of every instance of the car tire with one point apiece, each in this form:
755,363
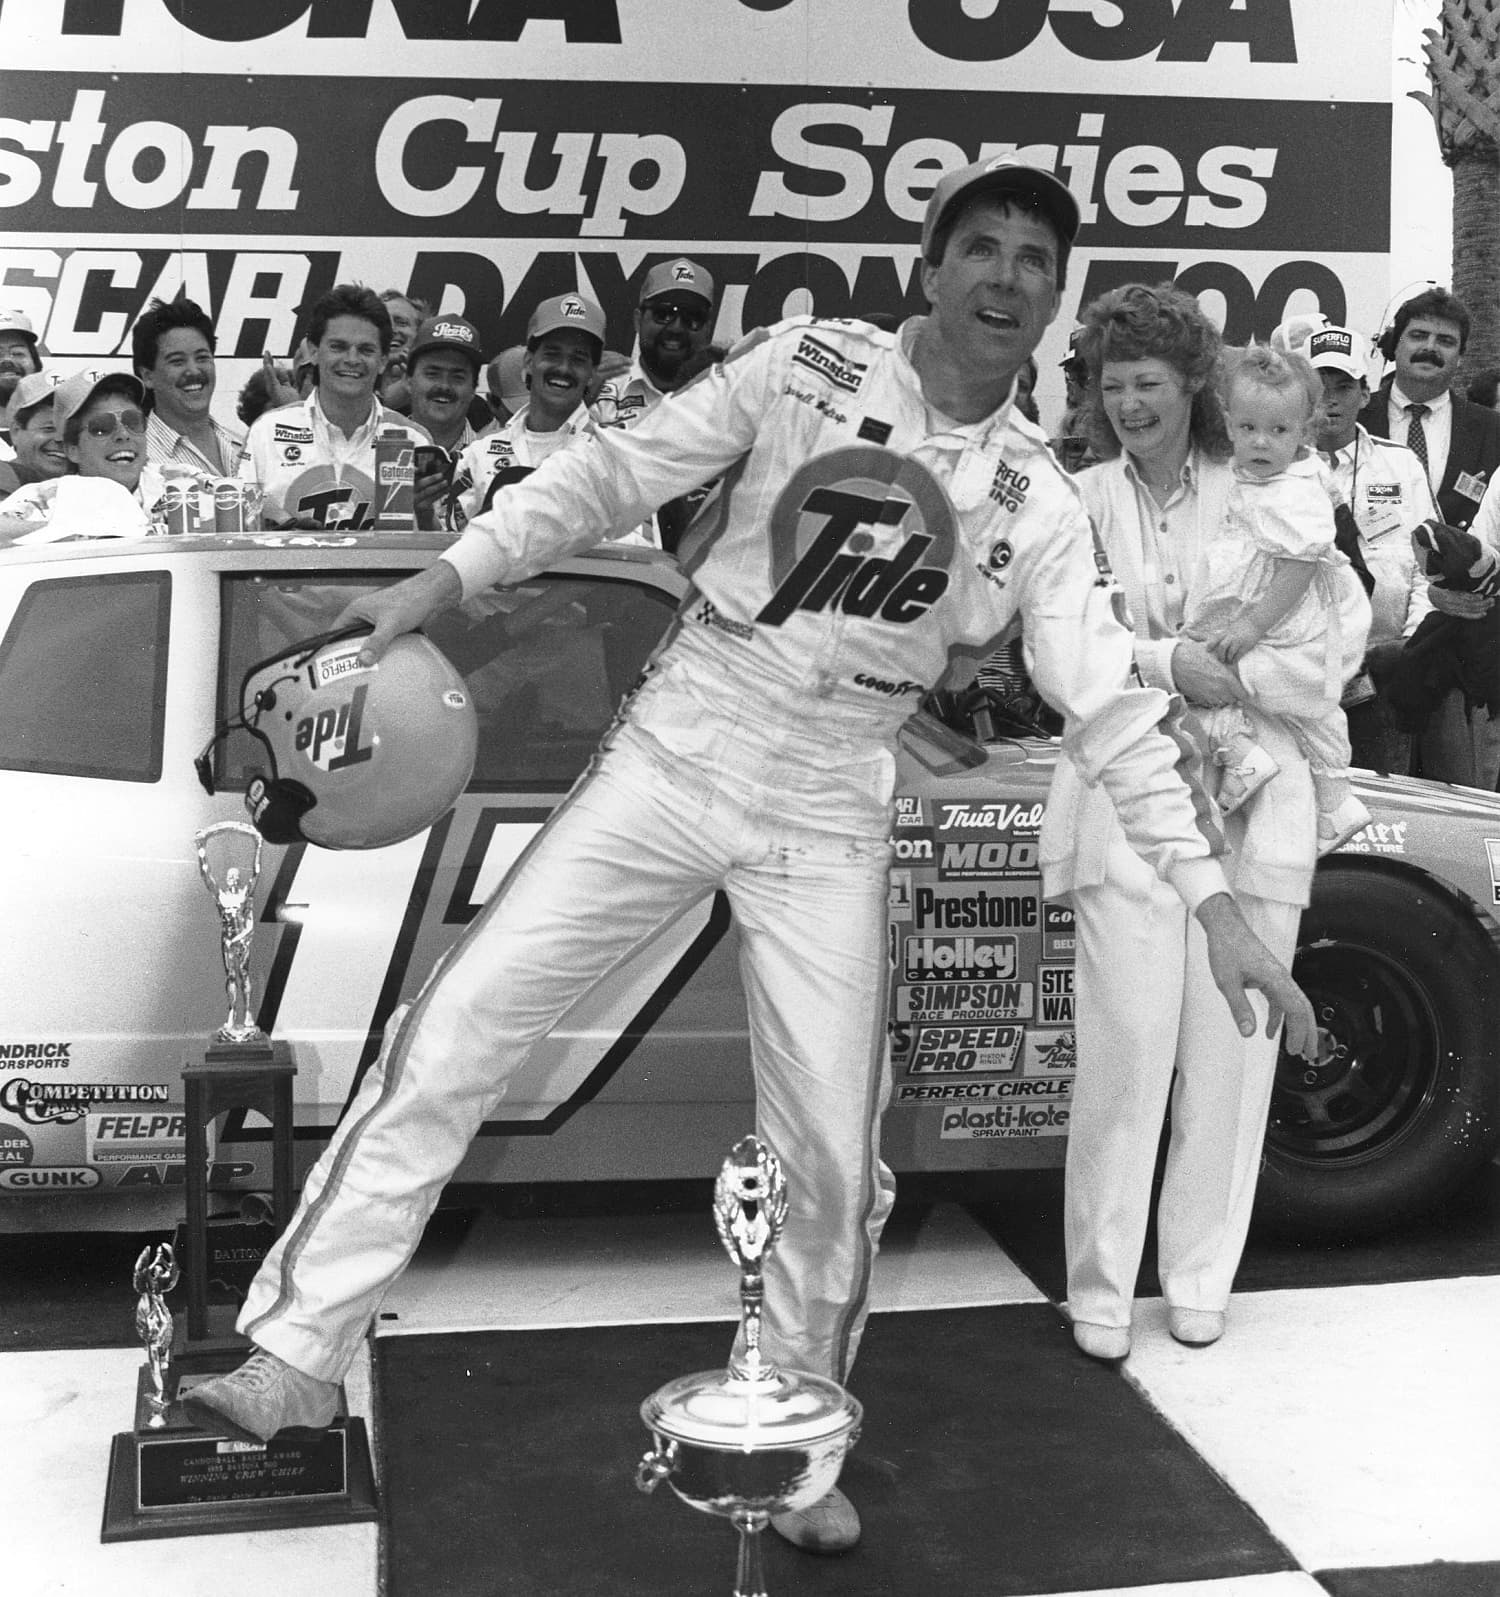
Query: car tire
1404,1102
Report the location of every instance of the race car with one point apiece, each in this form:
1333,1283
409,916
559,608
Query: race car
118,662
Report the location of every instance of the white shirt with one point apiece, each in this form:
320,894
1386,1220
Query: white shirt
165,446
1383,484
1437,428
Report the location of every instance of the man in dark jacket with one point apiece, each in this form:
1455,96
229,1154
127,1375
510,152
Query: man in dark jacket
1459,444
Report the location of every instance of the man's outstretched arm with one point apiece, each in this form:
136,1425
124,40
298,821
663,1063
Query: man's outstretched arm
403,607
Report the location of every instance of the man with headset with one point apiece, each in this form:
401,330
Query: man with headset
884,505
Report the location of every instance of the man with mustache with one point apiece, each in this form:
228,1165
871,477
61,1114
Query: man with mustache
674,324
443,373
564,341
18,358
172,351
1459,445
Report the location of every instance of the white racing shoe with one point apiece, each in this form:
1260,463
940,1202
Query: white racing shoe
263,1396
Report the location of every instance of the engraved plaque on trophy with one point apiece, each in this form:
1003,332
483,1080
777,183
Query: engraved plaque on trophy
169,1478
755,1439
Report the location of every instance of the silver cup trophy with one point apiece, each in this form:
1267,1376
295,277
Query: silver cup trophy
229,863
156,1274
752,1440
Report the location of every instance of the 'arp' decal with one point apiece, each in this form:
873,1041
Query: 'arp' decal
865,532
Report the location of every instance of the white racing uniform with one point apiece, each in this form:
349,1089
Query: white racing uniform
512,448
858,541
307,467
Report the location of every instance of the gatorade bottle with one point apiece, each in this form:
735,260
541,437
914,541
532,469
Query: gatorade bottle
395,478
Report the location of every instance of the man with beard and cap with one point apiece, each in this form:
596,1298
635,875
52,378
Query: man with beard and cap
18,355
442,372
1458,443
172,351
674,324
564,340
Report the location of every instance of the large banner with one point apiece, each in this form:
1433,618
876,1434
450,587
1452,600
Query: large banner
483,154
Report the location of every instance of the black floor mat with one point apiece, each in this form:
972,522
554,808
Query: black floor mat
994,1460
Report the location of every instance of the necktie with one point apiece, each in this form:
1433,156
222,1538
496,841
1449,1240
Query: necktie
1416,438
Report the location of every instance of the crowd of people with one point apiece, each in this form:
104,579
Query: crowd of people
1223,610
1425,701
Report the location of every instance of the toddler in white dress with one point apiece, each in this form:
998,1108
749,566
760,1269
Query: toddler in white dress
1271,577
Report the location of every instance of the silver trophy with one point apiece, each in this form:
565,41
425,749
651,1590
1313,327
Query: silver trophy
229,863
155,1275
752,1440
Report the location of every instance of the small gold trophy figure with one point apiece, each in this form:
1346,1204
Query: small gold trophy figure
234,893
155,1275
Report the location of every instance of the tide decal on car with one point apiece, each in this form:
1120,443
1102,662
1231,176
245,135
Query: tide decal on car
361,932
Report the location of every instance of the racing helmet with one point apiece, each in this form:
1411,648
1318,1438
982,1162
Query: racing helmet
360,755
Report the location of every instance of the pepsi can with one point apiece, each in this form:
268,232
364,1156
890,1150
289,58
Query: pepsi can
178,507
229,505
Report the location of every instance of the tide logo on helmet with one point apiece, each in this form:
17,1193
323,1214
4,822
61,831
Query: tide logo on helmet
825,528
330,739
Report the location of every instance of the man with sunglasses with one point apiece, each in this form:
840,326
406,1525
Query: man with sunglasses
111,491
674,323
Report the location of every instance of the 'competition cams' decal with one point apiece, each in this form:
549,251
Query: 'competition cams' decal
860,531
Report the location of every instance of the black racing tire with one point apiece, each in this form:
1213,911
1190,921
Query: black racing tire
1403,1104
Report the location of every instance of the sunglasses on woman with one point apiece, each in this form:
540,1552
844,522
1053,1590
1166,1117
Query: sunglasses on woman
103,424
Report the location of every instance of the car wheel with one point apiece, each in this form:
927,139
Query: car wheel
1403,1102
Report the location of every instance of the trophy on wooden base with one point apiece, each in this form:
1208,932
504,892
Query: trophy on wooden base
753,1440
168,1478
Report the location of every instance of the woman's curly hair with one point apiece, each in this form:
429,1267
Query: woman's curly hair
1162,323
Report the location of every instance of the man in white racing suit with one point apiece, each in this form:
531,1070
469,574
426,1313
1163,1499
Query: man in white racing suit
564,341
882,507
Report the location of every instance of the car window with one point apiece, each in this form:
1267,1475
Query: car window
547,663
83,669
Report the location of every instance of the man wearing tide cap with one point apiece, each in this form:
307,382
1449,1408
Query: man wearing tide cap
1385,487
882,507
35,434
674,325
564,340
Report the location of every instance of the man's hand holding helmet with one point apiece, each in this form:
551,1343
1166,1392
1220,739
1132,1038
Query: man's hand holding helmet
403,607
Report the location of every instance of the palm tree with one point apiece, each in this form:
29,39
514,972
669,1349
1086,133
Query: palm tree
1463,65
